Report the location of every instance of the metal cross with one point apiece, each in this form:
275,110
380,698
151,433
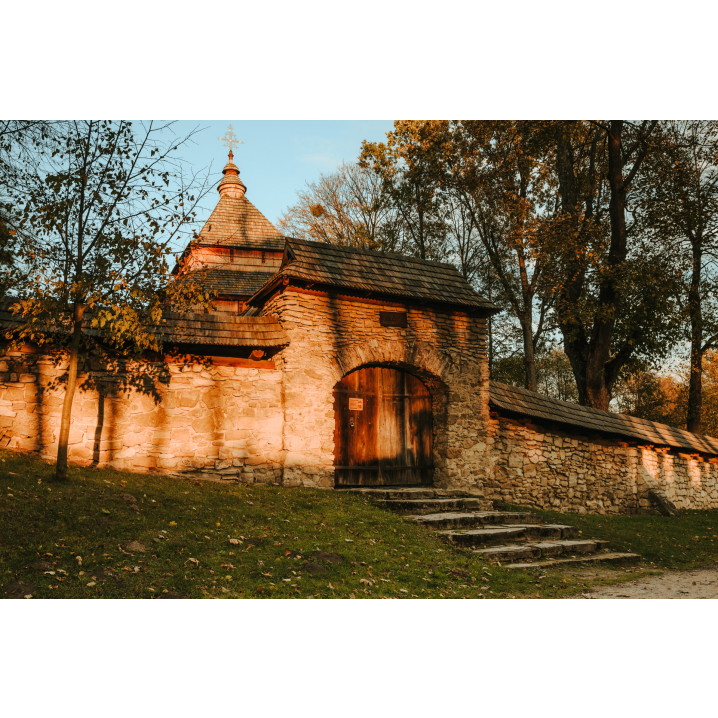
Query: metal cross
230,139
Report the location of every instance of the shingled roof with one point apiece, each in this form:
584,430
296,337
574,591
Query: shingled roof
236,222
213,329
537,406
233,282
224,329
379,272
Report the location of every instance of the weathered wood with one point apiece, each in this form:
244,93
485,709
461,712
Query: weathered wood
389,440
392,319
219,361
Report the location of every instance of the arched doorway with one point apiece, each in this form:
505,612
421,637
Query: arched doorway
383,429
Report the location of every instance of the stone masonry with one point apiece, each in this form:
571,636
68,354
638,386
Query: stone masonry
244,424
547,468
221,422
331,336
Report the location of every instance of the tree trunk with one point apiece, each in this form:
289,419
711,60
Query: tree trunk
598,390
61,466
529,362
695,310
695,393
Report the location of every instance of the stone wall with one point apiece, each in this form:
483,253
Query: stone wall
222,422
332,336
259,424
548,468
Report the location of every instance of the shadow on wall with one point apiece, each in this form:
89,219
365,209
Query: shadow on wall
383,428
32,402
411,349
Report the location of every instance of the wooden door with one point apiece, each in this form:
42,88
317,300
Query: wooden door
383,429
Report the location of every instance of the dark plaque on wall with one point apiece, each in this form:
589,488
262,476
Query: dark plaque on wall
392,319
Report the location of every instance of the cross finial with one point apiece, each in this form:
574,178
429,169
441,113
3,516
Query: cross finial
229,140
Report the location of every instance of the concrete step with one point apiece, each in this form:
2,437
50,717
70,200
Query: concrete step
608,557
542,549
476,519
515,532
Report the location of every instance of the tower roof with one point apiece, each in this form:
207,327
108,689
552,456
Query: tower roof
235,221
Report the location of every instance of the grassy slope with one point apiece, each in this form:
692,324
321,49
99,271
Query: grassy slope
45,527
681,542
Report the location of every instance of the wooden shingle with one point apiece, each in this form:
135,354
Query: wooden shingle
535,405
212,329
236,222
351,268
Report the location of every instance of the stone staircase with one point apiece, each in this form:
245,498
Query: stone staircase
513,539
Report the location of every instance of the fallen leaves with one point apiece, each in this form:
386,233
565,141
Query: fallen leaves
172,523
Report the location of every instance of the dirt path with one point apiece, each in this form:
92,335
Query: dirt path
699,583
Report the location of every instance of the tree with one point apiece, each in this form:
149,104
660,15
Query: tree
348,207
643,392
499,172
710,393
614,289
408,165
99,212
683,211
555,378
21,143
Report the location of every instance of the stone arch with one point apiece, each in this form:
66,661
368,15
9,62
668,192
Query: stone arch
419,358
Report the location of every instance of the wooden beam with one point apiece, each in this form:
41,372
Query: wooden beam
219,361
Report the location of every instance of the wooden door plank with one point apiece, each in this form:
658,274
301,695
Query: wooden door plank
391,440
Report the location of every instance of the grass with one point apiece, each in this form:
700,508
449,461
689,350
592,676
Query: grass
205,541
682,542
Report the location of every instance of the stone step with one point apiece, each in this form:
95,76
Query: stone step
389,493
476,519
537,550
515,532
609,557
407,493
419,506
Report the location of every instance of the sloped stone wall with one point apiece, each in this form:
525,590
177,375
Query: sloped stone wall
547,468
218,422
332,336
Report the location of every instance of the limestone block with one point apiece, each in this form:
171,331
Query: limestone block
180,435
79,451
200,381
13,394
150,419
136,438
144,461
76,436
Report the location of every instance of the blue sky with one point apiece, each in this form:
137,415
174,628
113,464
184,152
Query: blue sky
278,156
